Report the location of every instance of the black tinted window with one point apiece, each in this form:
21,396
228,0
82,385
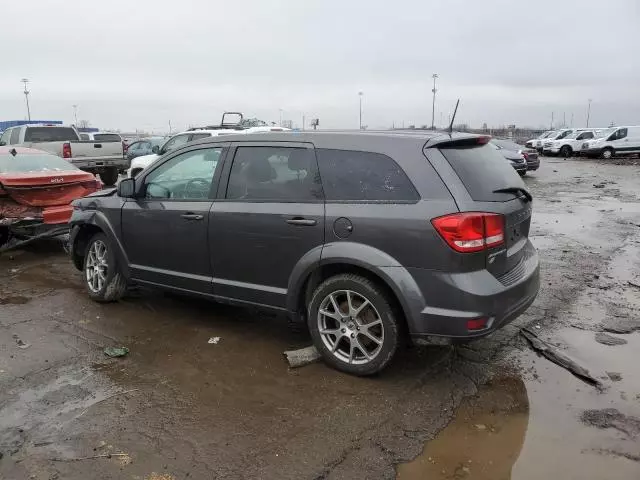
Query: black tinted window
483,170
363,176
274,173
50,134
106,137
15,136
587,135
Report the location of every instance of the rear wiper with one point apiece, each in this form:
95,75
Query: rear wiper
515,190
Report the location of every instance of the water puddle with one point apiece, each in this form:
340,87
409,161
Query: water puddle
484,439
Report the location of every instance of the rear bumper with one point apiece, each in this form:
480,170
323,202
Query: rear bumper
533,164
99,163
453,299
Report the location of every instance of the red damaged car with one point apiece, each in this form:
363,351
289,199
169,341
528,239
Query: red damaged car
36,189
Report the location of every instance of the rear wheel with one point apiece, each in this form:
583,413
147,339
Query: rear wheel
566,151
102,276
353,324
522,173
607,153
110,176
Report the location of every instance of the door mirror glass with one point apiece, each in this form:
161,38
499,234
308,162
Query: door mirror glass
127,188
156,149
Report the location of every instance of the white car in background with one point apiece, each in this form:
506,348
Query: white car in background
225,128
624,140
537,142
572,143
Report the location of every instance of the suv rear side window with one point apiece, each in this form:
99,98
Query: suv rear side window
50,134
483,170
274,174
350,175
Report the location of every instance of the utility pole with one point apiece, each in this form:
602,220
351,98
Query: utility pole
571,119
551,128
75,114
588,112
280,116
360,96
433,105
169,127
564,119
26,96
303,119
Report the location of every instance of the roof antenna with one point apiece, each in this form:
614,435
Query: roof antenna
453,117
13,152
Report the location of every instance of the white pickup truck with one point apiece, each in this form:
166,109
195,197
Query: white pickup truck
103,157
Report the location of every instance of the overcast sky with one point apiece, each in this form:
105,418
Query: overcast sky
140,64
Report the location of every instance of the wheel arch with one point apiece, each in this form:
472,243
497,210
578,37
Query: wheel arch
82,231
366,261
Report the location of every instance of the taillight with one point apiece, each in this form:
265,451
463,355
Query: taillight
472,231
125,147
66,150
525,155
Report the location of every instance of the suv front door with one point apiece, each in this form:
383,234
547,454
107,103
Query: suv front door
268,216
165,229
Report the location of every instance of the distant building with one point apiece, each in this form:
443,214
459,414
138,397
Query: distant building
16,123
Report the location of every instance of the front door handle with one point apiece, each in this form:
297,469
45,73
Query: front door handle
191,216
302,222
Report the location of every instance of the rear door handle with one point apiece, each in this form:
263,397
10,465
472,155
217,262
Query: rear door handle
302,222
191,216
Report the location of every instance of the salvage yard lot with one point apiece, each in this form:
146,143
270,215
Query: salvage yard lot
182,407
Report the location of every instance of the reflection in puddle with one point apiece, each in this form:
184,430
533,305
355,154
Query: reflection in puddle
484,439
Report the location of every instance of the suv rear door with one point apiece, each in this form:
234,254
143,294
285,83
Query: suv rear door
269,214
481,180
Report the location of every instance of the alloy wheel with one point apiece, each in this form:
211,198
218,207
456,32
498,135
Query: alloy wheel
350,327
97,266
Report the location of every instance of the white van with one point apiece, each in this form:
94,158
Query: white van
548,142
620,141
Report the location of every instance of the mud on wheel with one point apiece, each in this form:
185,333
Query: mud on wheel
102,276
353,324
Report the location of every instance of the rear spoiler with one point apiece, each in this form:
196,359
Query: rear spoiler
457,141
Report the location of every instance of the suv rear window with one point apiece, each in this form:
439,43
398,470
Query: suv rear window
483,170
106,137
50,134
349,175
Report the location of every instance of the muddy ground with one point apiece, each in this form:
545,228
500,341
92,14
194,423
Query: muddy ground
179,407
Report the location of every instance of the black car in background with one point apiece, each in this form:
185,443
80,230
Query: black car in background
143,147
522,159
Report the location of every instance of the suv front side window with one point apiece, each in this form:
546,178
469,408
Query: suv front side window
349,175
188,176
274,174
4,139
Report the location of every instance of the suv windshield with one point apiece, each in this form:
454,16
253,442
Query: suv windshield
483,170
605,133
50,134
564,134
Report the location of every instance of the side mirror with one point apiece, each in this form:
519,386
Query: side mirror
127,188
156,149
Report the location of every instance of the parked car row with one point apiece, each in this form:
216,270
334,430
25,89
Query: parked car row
591,142
521,159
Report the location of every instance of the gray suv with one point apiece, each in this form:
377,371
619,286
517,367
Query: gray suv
370,238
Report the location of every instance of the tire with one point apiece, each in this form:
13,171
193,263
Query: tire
522,173
99,257
566,151
110,176
375,329
607,153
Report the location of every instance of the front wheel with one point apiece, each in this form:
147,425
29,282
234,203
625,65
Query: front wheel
565,151
110,176
607,153
353,324
103,279
522,173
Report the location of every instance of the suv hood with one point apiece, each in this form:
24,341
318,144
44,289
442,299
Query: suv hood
144,160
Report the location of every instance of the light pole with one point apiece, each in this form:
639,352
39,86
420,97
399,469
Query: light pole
433,106
26,96
75,113
360,97
588,112
280,116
